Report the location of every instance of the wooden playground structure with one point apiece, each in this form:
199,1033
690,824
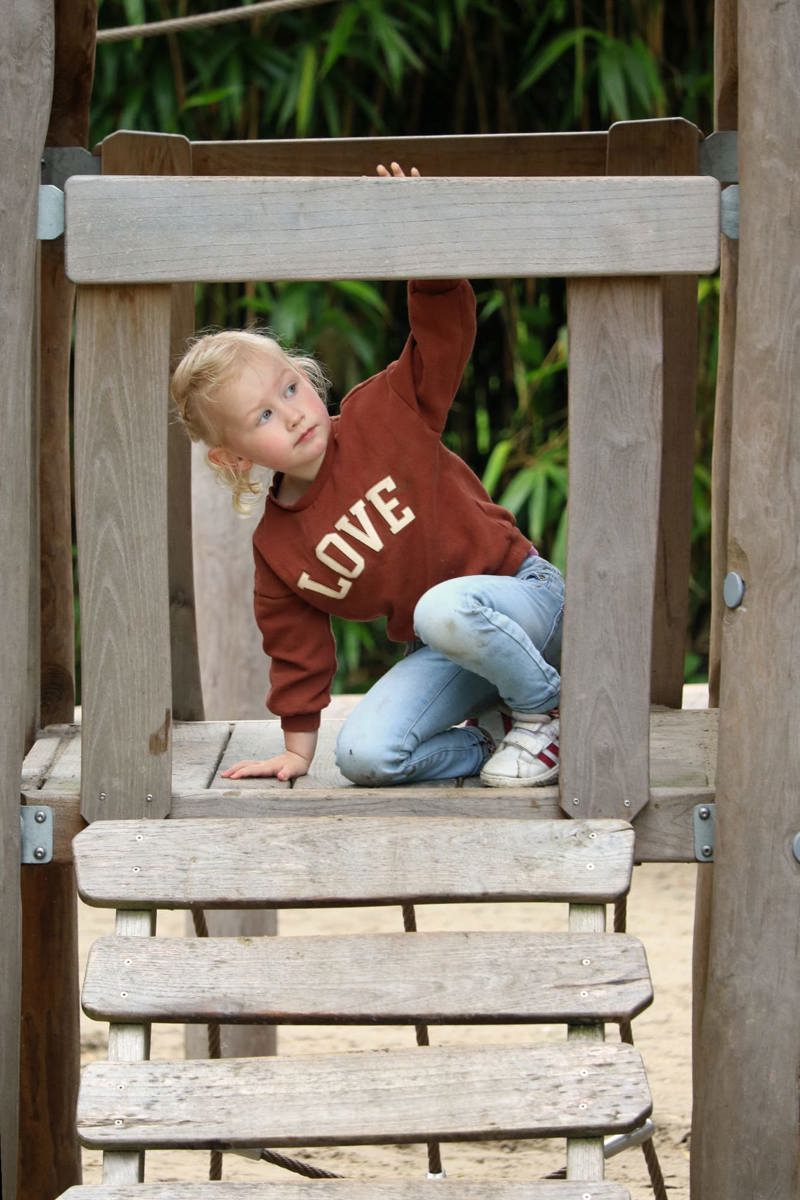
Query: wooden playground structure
630,217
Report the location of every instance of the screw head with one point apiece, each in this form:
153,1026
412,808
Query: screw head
39,853
704,813
733,589
40,817
706,851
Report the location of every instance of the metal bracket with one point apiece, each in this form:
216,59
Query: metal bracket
36,833
703,822
58,164
50,217
729,201
719,156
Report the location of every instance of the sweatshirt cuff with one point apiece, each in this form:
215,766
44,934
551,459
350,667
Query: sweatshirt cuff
302,723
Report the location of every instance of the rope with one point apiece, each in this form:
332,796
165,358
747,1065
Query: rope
423,1039
203,20
215,1051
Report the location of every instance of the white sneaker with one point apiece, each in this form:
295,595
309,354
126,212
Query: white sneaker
527,755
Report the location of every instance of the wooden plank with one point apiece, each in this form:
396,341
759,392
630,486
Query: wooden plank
364,860
418,1189
439,978
749,1037
615,398
127,230
362,1098
26,74
585,1158
197,748
121,373
669,147
127,153
462,154
251,740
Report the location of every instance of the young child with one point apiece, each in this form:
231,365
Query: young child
369,514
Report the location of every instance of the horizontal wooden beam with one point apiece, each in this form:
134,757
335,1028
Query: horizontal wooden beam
663,828
137,229
459,154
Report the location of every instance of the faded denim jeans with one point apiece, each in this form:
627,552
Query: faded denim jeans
486,640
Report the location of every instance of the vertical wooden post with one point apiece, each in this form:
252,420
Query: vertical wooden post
49,1154
121,381
615,402
746,1140
26,58
669,147
76,23
127,153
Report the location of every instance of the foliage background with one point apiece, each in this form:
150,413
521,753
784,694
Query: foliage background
370,67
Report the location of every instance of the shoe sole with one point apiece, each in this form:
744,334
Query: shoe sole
514,780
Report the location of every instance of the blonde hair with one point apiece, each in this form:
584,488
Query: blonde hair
210,362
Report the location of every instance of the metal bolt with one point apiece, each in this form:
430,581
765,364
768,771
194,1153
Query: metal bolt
627,803
149,797
40,817
102,795
796,846
733,589
704,813
39,853
706,851
576,800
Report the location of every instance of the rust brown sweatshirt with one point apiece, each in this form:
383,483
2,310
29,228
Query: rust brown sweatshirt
391,513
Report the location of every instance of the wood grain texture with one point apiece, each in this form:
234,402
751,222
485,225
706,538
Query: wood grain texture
615,399
146,230
362,1097
439,978
362,860
121,365
127,153
669,147
585,1157
26,76
748,1060
324,1189
463,154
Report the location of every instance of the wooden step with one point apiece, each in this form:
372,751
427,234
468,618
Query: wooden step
335,1189
577,1089
357,860
388,978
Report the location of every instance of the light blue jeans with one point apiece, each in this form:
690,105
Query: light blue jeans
485,639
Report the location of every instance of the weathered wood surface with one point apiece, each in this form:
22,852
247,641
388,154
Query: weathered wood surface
121,365
669,147
234,669
748,1055
128,230
585,1157
462,154
615,402
419,1189
389,979
128,1043
26,75
363,860
126,153
362,1097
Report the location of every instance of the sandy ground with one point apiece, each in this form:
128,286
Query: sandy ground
660,913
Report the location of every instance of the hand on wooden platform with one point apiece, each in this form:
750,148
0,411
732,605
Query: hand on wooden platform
283,766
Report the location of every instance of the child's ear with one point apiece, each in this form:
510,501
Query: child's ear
221,457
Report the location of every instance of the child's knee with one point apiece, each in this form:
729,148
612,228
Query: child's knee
438,620
362,760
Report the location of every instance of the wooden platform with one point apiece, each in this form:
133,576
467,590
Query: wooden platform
682,765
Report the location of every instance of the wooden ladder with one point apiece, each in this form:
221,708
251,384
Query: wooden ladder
579,1089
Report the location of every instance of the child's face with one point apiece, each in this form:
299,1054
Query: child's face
274,417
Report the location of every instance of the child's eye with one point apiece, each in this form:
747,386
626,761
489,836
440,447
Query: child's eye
291,389
264,416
